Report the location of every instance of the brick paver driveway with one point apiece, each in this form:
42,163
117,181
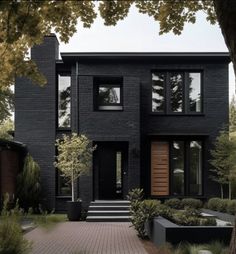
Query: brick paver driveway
86,238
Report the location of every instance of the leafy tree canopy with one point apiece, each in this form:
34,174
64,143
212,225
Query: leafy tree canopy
24,24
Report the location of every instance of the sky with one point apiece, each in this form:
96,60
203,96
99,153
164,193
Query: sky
140,33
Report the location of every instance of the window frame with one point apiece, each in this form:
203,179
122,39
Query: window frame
167,99
186,166
61,128
106,81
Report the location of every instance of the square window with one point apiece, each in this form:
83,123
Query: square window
108,94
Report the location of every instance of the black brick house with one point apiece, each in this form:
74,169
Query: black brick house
153,117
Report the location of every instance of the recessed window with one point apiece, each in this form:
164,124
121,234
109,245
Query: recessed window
108,93
63,185
176,92
64,101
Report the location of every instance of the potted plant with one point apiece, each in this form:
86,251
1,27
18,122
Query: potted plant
73,160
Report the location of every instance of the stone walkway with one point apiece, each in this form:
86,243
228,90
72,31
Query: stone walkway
86,238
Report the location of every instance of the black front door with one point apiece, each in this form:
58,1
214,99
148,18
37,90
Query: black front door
110,167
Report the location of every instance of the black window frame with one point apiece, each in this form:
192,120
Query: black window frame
61,128
186,166
167,92
116,82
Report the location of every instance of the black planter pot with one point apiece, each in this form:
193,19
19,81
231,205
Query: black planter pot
74,210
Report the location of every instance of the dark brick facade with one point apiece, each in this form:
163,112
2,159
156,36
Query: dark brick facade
136,124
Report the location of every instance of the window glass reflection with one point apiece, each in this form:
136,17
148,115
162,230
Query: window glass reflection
195,92
158,92
64,101
177,163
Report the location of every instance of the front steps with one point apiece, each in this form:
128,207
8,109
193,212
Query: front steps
109,211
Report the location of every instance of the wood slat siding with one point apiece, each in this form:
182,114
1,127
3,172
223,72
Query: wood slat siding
160,168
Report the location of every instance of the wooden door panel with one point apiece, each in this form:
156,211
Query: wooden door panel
160,168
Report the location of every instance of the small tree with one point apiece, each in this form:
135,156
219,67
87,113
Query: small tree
28,184
74,157
224,161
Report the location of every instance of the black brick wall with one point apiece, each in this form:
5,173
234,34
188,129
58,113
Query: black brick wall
36,123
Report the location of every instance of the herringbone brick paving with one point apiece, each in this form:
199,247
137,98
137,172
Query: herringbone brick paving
86,238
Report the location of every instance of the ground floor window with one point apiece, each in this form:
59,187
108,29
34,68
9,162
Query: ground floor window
176,168
63,186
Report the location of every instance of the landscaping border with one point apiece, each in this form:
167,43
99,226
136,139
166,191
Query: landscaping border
222,216
161,230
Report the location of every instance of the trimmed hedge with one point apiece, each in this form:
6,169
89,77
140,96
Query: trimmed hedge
222,205
192,202
176,203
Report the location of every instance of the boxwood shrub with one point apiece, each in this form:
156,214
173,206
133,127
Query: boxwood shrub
192,203
174,203
222,205
231,207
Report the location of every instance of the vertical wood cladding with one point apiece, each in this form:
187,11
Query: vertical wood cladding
160,168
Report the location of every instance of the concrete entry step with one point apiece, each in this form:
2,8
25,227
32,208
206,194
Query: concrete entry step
108,211
108,218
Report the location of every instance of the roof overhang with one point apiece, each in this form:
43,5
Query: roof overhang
146,56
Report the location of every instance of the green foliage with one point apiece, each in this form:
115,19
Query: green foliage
222,205
224,160
231,207
165,211
74,157
232,115
28,184
192,203
25,23
174,203
188,248
11,236
135,195
141,212
192,217
5,128
6,104
212,203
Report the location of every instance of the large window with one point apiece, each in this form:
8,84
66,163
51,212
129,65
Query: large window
176,165
63,185
64,101
176,92
108,93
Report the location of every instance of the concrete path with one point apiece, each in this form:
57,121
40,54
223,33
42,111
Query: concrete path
86,238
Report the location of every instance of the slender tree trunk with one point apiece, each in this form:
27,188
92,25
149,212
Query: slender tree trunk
221,191
232,247
226,13
230,190
72,187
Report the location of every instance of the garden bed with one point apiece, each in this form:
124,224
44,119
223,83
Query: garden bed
223,216
161,230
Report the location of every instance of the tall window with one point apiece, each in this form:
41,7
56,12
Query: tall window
176,92
195,99
176,89
195,168
63,186
177,167
64,101
158,92
108,93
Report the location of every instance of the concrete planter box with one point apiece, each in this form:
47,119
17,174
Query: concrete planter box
161,230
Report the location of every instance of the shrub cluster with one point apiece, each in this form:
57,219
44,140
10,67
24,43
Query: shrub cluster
192,217
176,203
222,205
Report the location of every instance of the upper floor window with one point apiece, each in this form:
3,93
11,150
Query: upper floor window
176,92
108,93
64,101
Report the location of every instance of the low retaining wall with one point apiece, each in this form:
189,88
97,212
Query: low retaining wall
161,230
